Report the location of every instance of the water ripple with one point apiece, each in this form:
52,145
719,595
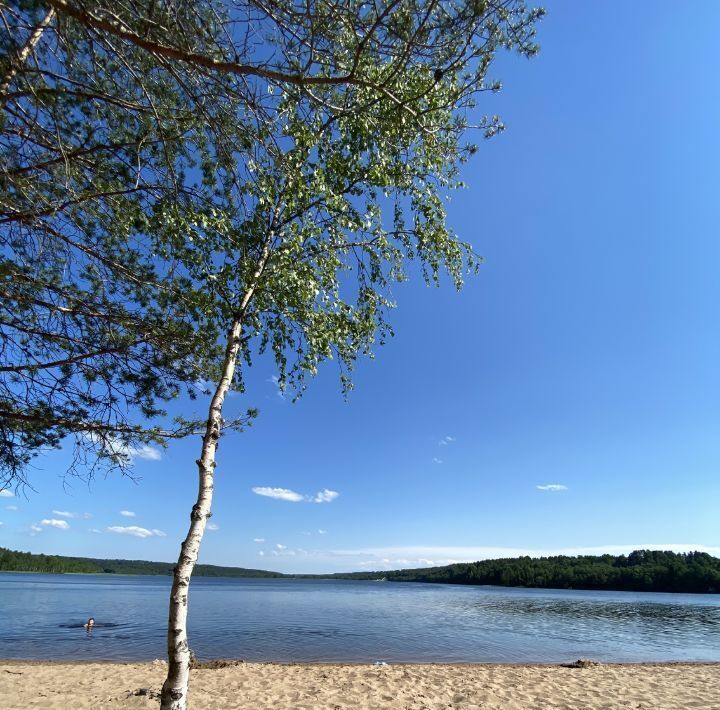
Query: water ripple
304,620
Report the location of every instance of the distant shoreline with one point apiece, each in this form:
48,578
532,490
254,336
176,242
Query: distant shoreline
314,578
641,571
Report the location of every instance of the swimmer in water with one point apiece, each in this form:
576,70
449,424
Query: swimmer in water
89,624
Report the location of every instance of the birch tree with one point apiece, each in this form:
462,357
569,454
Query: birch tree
280,166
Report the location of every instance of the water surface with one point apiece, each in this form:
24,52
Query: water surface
351,621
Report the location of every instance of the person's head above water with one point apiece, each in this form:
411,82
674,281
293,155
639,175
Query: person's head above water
90,623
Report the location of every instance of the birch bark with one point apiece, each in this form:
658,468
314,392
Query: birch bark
174,694
23,54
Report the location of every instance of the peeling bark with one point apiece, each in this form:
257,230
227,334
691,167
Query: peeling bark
174,695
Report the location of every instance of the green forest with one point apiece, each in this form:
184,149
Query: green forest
640,571
12,561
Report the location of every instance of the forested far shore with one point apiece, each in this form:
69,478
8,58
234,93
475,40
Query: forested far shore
640,571
12,561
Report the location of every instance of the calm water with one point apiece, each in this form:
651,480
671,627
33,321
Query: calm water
300,620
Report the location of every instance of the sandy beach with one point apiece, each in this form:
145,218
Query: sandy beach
255,686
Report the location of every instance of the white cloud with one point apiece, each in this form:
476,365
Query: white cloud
278,493
323,496
1,523
258,539
446,440
552,487
322,532
5,493
127,513
281,547
69,514
213,526
261,553
94,530
135,531
437,460
11,507
36,528
53,523
148,453
115,446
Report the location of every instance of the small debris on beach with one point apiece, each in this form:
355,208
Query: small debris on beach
217,663
148,692
581,663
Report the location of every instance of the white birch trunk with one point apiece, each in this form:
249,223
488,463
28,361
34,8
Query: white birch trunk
19,60
174,695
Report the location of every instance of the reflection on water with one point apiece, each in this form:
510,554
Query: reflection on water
308,620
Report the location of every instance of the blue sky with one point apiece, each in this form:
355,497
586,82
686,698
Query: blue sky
584,356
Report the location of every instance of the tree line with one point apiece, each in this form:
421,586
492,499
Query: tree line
640,571
14,561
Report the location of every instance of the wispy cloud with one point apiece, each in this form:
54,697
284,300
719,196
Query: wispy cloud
127,513
258,539
279,493
323,496
69,514
437,460
11,507
135,531
322,532
552,487
146,452
115,446
53,523
430,556
282,551
5,493
94,530
261,553
446,440
279,391
213,526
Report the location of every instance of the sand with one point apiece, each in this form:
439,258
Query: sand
256,686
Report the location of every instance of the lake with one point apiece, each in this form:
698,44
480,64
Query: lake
351,621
